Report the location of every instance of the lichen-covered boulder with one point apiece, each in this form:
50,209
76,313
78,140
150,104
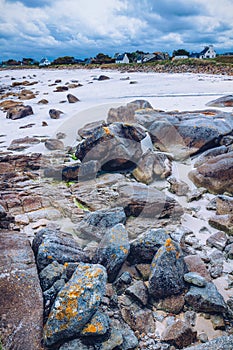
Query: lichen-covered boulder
206,299
116,146
52,245
167,271
98,325
75,304
95,224
113,250
144,247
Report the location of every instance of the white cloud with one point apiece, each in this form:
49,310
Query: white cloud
85,27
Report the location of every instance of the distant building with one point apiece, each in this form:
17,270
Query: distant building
180,57
151,57
123,58
44,62
208,52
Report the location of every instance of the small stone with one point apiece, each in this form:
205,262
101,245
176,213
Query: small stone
218,240
72,99
44,123
179,334
55,113
138,291
43,102
217,322
203,337
195,279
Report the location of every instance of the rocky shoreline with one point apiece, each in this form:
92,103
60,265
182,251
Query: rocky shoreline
96,253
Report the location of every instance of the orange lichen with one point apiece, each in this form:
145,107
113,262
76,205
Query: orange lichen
106,129
90,329
169,245
125,251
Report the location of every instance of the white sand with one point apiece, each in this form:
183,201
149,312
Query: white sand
163,91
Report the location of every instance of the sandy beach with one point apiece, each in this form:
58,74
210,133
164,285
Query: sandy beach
164,91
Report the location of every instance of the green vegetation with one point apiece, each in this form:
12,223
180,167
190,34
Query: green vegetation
80,205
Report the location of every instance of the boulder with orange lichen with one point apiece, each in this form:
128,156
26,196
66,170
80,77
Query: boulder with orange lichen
116,146
75,304
167,271
113,250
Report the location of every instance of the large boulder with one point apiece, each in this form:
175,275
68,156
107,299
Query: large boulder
152,165
18,112
52,245
21,302
215,174
126,113
224,101
206,299
75,304
140,199
146,245
185,133
95,224
113,250
167,271
115,147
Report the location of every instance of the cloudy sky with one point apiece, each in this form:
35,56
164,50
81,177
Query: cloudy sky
83,28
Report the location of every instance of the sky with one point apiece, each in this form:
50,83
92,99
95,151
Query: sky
84,28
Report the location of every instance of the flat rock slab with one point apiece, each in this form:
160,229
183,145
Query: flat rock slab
21,302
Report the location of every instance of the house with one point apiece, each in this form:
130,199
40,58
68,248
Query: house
180,57
44,62
123,58
208,52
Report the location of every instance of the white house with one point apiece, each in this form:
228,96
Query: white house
44,62
208,52
123,58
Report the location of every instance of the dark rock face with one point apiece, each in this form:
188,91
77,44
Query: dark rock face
224,101
95,224
115,147
75,304
52,246
186,133
50,274
215,174
144,247
21,302
206,299
139,199
167,271
113,250
126,113
55,113
72,99
76,344
138,291
81,172
179,334
19,112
